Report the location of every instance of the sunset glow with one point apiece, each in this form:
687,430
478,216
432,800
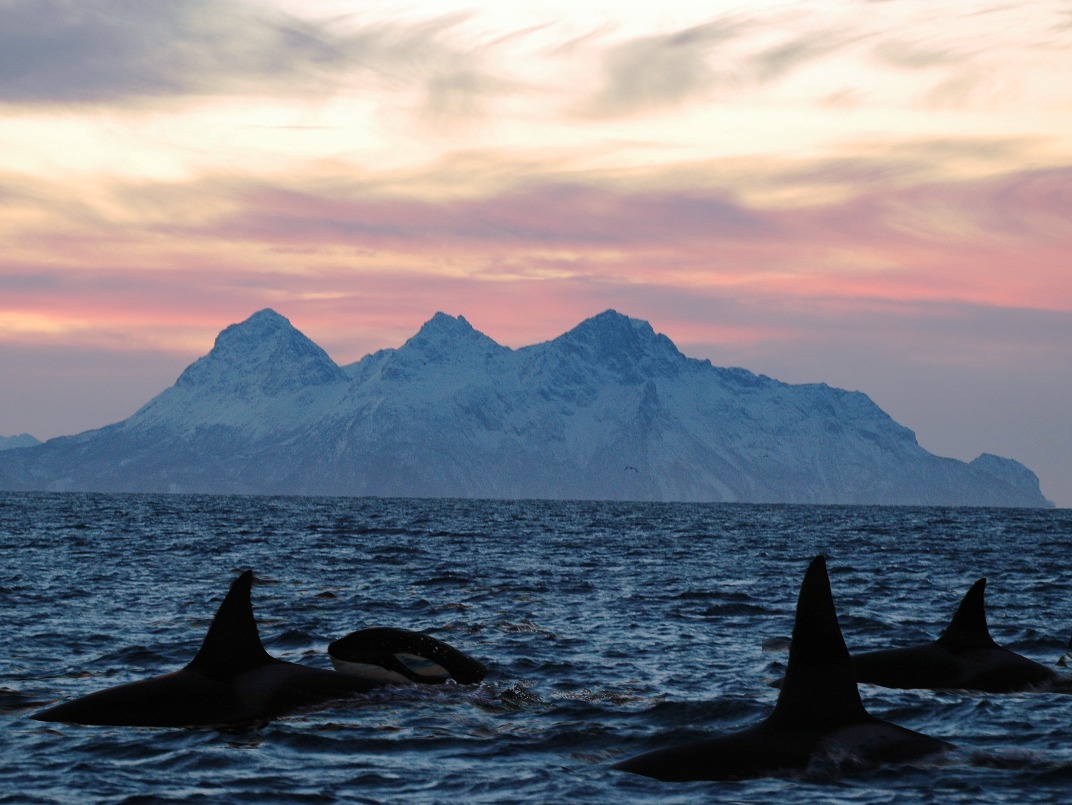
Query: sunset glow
875,195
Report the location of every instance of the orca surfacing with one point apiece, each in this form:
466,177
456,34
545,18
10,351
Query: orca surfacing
232,680
965,657
818,715
399,656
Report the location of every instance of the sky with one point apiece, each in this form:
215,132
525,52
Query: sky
875,194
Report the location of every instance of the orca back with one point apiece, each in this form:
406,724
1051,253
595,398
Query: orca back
819,691
818,717
232,680
232,644
968,629
404,655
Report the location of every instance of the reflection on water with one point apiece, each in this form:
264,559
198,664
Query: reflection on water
608,629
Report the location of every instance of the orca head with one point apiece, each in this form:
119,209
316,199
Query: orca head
968,629
399,656
232,644
819,689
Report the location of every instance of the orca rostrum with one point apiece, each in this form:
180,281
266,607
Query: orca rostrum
232,680
965,657
818,718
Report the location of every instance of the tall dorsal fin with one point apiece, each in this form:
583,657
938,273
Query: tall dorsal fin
232,644
968,628
819,690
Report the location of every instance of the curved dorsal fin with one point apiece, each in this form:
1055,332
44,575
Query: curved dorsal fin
819,689
232,644
968,628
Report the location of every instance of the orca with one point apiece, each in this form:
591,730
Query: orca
232,680
818,716
965,657
399,656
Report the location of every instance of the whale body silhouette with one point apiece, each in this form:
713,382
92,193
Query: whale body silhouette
818,715
231,680
964,657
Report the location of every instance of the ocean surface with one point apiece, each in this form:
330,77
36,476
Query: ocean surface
610,629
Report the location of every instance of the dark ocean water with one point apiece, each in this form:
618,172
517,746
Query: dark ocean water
610,629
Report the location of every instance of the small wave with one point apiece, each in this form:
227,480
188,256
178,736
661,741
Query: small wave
138,656
1034,761
14,701
733,610
445,580
526,627
495,699
289,639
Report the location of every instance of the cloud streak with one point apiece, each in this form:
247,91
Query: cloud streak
64,51
812,190
662,71
91,52
1000,241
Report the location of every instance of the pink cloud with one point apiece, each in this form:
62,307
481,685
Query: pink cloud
558,251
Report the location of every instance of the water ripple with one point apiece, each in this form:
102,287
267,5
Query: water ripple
608,629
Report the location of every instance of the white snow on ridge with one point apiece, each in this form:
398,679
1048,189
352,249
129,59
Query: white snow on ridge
608,410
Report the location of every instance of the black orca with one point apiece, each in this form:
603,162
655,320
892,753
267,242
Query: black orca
965,657
232,680
397,656
818,717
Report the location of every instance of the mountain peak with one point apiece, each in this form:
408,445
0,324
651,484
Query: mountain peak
264,353
612,325
610,318
609,410
21,440
1010,471
268,315
612,337
444,337
261,325
443,324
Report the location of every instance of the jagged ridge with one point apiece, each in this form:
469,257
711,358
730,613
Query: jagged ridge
609,410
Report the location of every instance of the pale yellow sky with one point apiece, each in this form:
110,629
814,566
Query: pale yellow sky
856,192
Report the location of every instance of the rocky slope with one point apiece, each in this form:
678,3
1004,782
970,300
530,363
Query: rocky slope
609,410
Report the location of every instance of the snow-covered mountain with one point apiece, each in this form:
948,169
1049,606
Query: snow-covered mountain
22,440
609,410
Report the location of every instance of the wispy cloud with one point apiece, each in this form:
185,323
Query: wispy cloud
778,185
108,51
69,51
661,71
899,234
